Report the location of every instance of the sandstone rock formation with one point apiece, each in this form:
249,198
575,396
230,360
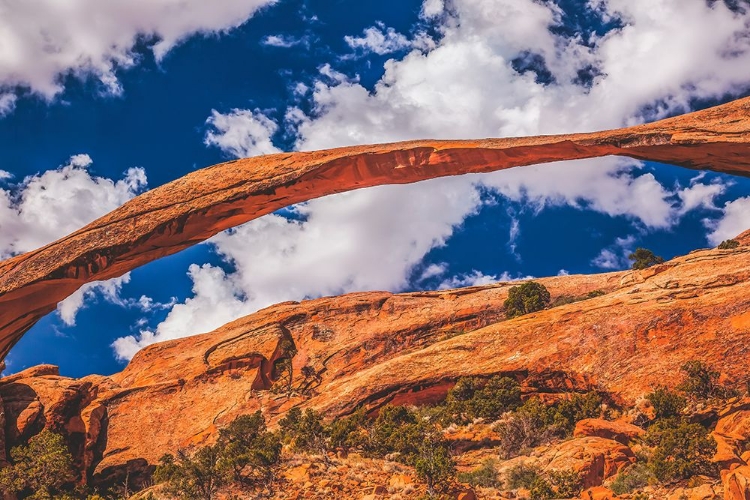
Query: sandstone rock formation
199,205
622,432
594,459
372,348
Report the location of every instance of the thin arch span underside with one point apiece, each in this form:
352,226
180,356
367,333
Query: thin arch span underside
193,208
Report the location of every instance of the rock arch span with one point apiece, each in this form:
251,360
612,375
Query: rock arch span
195,207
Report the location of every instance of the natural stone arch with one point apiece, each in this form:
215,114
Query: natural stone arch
195,207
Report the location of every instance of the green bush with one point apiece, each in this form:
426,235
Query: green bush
485,475
728,244
643,258
522,476
577,408
526,298
249,449
433,463
198,476
245,452
347,433
681,450
396,430
541,490
304,430
702,382
39,469
473,398
566,483
635,477
666,403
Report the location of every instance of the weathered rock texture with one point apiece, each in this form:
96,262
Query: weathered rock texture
199,205
373,348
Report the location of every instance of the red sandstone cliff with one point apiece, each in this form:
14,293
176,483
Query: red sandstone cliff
372,348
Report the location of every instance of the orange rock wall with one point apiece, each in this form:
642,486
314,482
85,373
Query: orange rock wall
195,207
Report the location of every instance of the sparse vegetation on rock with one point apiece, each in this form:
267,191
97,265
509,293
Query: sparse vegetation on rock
526,298
728,244
681,450
643,258
39,469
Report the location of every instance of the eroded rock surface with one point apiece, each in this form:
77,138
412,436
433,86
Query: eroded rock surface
191,209
368,349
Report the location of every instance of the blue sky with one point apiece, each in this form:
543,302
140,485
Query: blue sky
99,106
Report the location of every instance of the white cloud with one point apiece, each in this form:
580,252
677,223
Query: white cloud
736,220
241,133
45,207
43,40
285,41
109,290
7,103
615,256
463,85
379,39
475,278
349,242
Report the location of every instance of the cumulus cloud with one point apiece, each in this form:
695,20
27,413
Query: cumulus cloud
467,83
43,40
109,290
615,256
47,206
241,133
735,220
379,39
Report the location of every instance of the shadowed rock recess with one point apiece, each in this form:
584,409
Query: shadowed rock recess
369,349
195,207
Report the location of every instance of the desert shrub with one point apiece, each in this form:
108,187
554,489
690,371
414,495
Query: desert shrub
728,244
249,449
199,476
643,258
471,398
347,433
433,463
666,403
563,300
485,475
566,483
570,299
578,407
535,423
681,450
40,468
702,383
522,476
541,489
396,430
304,430
635,477
526,298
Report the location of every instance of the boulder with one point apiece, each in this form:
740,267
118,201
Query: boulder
737,484
622,432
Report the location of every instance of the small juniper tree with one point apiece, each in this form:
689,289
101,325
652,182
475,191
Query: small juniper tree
433,463
39,469
643,258
526,298
198,476
728,244
249,449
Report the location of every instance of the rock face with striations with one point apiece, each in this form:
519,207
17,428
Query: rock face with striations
373,348
191,209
